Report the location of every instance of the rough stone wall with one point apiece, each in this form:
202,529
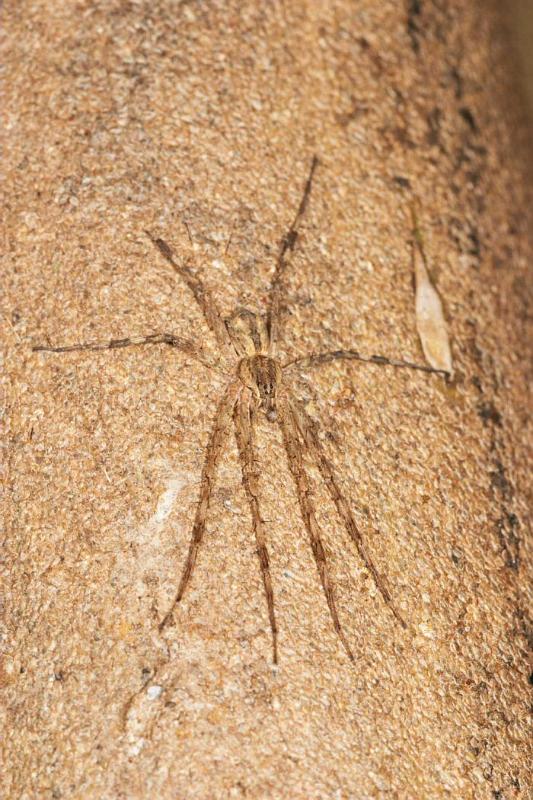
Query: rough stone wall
125,116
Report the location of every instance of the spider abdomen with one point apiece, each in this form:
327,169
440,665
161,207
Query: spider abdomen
262,375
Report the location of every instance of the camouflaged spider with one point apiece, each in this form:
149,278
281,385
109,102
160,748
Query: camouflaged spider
258,385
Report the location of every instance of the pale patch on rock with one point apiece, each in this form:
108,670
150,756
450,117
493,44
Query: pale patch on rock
142,570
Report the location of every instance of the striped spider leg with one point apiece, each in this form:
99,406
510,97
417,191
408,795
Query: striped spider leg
202,296
184,345
245,423
257,385
214,449
295,447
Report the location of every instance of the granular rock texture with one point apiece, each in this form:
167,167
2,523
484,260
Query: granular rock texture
198,122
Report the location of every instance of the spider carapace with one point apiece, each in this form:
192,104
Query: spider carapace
258,372
257,381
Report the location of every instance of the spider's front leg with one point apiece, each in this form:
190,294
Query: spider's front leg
307,431
295,456
287,245
317,359
214,449
245,419
184,345
201,293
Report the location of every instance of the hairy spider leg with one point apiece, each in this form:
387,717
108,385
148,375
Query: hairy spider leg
215,445
287,244
201,293
245,421
307,430
184,345
315,360
295,457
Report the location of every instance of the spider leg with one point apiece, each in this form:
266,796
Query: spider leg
214,449
185,345
354,355
287,244
244,419
307,430
295,456
201,293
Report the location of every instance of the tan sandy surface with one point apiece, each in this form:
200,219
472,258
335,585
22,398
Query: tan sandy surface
124,116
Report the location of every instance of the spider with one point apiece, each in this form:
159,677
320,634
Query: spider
258,384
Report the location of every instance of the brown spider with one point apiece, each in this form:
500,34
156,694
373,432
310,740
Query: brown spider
258,384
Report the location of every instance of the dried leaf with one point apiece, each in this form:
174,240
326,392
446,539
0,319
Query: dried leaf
430,322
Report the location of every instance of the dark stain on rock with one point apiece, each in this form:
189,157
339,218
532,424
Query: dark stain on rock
466,237
405,183
457,81
414,10
508,528
468,117
489,414
434,124
499,480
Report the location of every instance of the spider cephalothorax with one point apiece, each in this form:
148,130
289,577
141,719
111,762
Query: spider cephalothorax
256,383
262,375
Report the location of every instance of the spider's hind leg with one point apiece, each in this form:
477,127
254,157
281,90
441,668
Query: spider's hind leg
244,418
295,456
309,435
214,449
